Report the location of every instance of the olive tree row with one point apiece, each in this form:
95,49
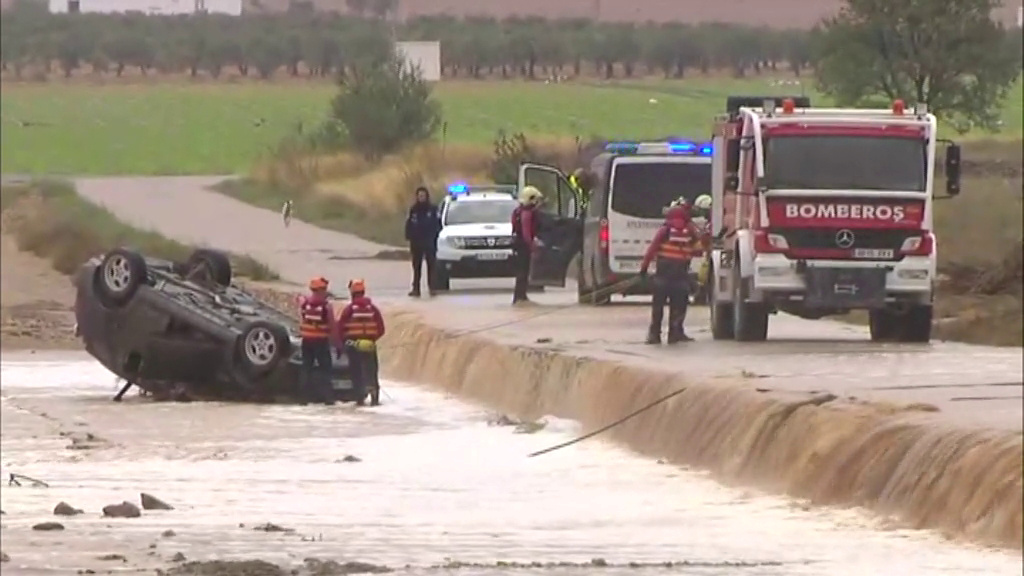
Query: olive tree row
316,44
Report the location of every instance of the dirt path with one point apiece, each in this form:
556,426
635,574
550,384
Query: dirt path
974,384
35,302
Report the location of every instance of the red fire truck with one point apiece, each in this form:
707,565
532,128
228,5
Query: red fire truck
819,211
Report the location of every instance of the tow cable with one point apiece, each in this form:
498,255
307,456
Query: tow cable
607,427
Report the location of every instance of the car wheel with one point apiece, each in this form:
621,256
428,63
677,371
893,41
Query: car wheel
262,346
213,264
119,276
442,281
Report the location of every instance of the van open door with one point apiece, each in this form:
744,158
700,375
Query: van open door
559,228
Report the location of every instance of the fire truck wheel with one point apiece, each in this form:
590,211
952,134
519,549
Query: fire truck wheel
882,324
749,319
721,314
917,325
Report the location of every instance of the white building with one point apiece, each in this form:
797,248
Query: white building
426,55
155,7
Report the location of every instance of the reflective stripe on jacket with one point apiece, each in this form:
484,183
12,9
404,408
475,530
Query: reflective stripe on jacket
314,320
361,322
675,251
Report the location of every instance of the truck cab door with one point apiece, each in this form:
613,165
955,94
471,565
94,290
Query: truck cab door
559,232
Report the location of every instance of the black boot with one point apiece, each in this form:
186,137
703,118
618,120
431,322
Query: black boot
415,292
653,337
679,336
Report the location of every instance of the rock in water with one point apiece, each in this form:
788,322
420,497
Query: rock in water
48,526
65,509
150,502
123,510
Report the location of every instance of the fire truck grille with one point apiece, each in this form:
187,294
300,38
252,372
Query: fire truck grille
844,238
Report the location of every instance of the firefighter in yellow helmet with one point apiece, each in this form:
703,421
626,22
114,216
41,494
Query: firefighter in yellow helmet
524,235
702,217
582,184
360,325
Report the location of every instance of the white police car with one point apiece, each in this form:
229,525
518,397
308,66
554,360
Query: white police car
476,233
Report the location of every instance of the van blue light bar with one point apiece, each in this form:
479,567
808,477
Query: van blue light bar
458,189
671,147
622,147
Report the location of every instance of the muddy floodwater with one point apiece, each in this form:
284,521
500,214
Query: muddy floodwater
431,481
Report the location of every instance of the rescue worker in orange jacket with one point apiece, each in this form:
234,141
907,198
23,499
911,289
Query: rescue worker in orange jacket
318,332
675,243
360,326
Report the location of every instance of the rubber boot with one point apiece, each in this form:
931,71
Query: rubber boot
653,337
678,336
415,292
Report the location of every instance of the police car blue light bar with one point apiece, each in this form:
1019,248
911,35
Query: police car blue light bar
672,147
457,189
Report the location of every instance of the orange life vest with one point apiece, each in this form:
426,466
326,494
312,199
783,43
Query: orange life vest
361,323
313,321
675,252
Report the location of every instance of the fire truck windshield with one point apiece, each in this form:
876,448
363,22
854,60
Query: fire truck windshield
839,162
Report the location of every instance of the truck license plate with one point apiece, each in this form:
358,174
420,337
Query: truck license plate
493,256
872,253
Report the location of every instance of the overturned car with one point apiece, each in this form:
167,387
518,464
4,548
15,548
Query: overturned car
181,330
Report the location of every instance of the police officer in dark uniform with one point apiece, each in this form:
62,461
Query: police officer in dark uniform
524,230
674,245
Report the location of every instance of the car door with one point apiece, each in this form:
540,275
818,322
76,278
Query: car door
559,230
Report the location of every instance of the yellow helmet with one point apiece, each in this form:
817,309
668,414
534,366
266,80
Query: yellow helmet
703,202
530,195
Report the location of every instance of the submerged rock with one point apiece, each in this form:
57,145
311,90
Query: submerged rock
150,502
228,568
317,567
65,509
271,527
123,510
48,526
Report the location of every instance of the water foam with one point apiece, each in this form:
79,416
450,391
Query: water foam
436,480
897,460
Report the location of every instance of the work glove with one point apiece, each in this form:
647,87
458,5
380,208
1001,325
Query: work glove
643,273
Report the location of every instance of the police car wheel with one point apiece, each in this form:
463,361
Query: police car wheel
442,281
261,347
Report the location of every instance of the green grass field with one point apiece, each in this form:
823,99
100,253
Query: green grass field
170,128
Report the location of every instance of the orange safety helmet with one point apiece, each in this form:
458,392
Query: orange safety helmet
357,285
318,283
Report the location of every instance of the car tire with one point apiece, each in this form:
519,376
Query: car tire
442,281
750,319
917,325
217,265
882,324
721,314
119,276
261,347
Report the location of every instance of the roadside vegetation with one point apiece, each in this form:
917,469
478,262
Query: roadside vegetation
315,108
50,220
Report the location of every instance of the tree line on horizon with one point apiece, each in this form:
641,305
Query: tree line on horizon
303,42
